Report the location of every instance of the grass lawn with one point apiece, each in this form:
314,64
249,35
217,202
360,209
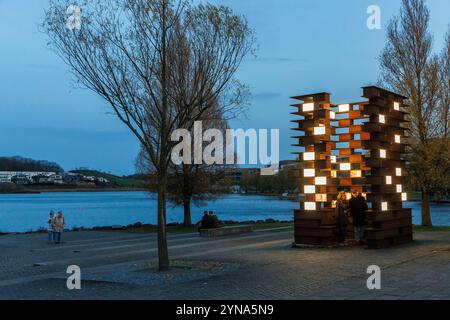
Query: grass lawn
257,226
437,228
193,229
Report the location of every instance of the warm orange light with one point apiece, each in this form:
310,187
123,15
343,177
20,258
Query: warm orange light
321,197
356,174
333,173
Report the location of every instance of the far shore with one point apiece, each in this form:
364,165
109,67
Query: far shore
59,190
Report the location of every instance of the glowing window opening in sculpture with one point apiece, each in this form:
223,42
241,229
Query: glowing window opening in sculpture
309,156
308,107
309,173
321,181
310,206
310,189
344,108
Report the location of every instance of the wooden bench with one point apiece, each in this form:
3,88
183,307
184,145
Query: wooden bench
225,231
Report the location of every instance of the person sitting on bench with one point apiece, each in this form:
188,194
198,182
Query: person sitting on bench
214,220
206,221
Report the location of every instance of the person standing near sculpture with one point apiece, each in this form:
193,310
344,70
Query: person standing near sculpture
341,217
358,208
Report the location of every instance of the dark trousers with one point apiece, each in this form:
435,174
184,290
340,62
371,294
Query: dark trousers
57,237
341,232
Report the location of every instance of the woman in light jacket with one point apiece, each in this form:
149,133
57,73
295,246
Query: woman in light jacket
58,225
341,217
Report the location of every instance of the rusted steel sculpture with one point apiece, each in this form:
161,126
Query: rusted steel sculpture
352,146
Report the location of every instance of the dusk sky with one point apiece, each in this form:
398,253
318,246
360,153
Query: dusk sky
305,46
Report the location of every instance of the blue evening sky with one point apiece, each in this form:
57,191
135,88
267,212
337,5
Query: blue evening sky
306,46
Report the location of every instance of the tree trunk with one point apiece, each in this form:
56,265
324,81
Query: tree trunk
163,251
426,215
187,212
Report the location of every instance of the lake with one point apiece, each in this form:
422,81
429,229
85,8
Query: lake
25,212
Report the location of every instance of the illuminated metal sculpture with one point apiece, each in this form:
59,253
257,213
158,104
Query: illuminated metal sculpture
355,146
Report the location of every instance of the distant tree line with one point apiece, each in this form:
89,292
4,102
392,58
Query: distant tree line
25,164
286,181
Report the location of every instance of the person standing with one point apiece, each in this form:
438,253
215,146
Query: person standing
206,223
50,228
358,208
59,223
341,217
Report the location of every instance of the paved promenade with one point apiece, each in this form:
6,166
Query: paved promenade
261,265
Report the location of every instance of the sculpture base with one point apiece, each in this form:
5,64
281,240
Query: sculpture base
384,229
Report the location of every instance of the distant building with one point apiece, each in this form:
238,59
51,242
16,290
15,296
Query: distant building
56,179
89,178
21,179
41,179
72,178
6,176
102,180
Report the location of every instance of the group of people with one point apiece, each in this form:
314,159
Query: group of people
209,221
56,226
356,207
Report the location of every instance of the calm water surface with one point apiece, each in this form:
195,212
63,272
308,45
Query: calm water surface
21,213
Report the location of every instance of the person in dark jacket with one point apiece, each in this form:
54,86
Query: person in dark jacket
341,217
206,221
214,220
358,208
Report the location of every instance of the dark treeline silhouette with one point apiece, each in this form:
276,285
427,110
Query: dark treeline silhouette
24,164
286,181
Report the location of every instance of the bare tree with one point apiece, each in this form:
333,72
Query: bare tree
130,52
191,183
409,67
444,76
